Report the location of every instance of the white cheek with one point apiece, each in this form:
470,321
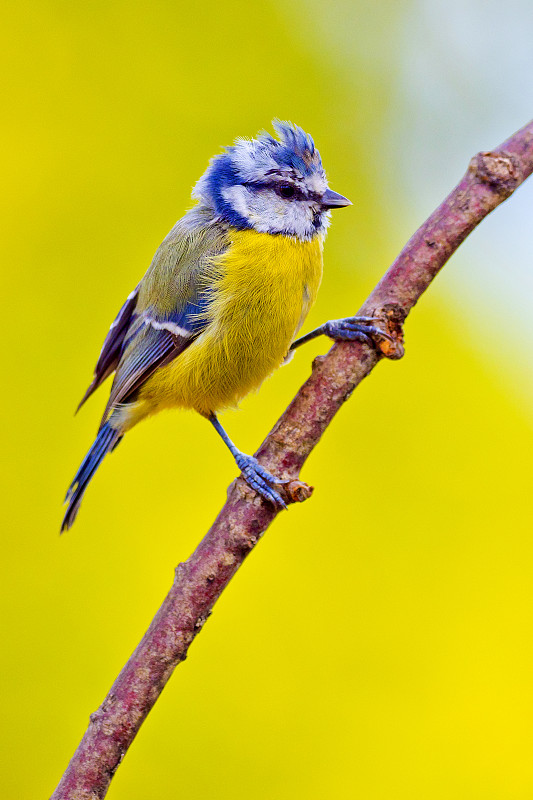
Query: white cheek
269,213
239,199
298,219
264,211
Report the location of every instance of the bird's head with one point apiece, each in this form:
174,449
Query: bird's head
275,186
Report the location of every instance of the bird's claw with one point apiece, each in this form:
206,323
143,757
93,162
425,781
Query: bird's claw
356,329
259,479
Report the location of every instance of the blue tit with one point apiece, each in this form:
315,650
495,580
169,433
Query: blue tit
223,299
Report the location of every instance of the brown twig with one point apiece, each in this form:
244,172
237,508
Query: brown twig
490,179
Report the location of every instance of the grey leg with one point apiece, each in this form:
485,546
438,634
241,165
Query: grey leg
253,473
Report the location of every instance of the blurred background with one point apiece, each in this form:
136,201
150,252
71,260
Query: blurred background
377,643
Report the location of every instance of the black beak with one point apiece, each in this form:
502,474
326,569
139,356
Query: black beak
331,199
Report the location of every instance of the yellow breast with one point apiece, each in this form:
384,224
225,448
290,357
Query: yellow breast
263,287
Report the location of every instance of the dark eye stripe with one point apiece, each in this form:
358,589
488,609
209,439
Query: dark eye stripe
299,194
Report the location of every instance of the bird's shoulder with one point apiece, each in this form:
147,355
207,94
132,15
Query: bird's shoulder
183,260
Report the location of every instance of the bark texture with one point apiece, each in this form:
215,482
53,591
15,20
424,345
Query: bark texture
491,177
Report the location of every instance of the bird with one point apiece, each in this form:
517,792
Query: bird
223,299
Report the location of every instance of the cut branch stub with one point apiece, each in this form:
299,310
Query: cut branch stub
502,171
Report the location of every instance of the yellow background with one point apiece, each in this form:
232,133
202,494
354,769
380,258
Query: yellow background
377,643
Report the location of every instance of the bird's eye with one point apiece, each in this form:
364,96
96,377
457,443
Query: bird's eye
286,191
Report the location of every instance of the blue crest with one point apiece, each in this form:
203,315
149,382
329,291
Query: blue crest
295,148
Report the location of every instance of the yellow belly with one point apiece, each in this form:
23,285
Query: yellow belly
264,286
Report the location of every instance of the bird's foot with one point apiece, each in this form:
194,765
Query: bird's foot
357,329
260,479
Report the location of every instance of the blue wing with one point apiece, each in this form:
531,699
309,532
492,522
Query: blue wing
170,310
113,345
166,312
149,348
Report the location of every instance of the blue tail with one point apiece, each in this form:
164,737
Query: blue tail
107,440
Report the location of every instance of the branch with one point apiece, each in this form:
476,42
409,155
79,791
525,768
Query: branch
491,177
